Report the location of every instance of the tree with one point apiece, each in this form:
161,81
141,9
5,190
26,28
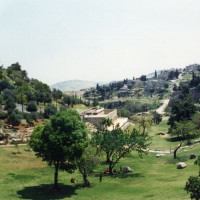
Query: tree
175,88
10,105
95,103
14,118
182,109
197,162
49,111
67,100
193,187
176,73
57,94
171,75
157,118
47,97
32,106
143,78
42,91
60,142
156,75
21,94
118,144
87,163
8,93
184,130
4,84
166,85
144,122
106,122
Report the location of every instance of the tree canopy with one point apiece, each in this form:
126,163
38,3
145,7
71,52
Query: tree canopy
60,142
117,144
182,109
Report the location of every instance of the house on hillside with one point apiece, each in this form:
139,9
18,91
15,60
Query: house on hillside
97,114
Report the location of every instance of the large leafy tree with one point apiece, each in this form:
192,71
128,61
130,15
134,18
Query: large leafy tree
60,142
182,109
117,144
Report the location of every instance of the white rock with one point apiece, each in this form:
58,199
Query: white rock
126,169
181,165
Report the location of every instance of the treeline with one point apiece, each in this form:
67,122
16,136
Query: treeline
105,91
129,108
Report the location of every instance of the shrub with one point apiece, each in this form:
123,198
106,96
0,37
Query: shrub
14,118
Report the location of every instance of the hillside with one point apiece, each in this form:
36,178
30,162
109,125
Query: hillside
73,85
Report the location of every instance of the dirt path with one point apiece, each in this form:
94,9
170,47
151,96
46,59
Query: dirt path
161,109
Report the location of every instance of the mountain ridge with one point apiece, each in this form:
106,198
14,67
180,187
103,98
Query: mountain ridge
74,85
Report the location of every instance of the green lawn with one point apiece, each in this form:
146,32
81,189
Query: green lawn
161,142
23,176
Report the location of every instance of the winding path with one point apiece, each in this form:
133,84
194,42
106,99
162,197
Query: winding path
161,109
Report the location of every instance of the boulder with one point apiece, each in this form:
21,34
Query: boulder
126,169
181,165
158,155
2,142
192,156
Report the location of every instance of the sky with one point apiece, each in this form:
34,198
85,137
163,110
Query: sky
98,40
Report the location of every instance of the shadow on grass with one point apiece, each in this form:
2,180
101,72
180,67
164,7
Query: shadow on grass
127,175
44,192
174,139
180,158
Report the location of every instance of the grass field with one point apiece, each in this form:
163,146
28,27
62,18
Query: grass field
23,176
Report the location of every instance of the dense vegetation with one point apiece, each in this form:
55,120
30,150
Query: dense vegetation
22,97
105,160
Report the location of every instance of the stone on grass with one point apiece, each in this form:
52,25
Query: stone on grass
2,142
158,155
126,169
181,165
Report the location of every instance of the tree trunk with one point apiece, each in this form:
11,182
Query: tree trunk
56,175
177,148
110,168
86,182
107,157
22,103
22,107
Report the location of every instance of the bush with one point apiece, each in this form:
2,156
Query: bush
34,116
32,106
29,121
193,187
49,111
14,118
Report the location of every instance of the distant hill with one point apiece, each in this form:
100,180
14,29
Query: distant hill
74,85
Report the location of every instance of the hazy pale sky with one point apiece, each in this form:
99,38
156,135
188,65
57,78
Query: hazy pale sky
98,40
